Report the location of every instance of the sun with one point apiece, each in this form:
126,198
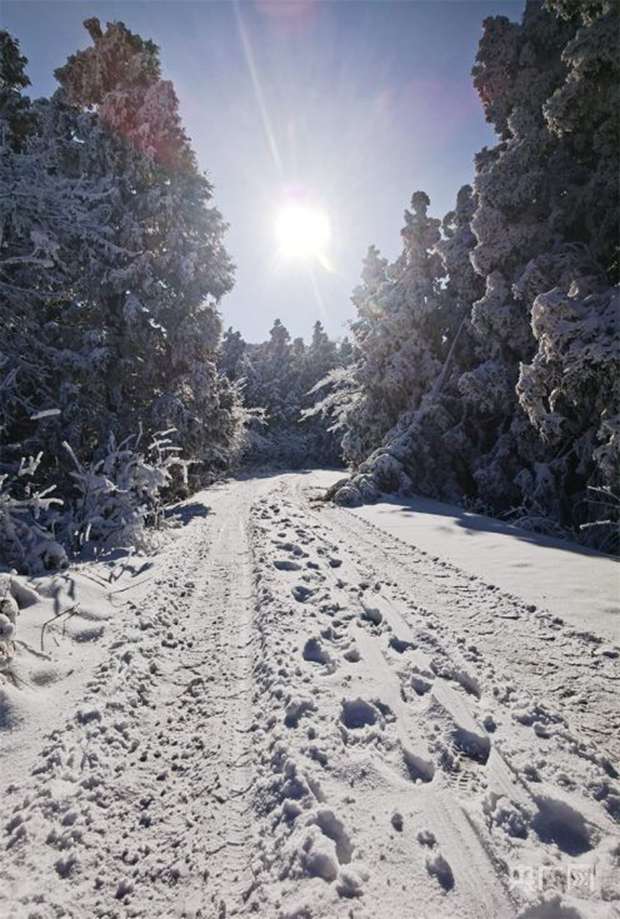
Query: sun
302,232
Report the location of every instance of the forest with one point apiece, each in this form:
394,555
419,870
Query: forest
482,365
318,626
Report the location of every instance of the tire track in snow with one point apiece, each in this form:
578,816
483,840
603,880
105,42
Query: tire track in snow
306,719
138,804
540,644
380,594
395,758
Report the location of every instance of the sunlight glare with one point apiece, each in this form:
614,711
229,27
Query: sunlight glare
302,232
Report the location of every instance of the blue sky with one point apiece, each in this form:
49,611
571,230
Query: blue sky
355,105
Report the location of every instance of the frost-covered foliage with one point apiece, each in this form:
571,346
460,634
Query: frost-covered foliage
398,332
510,401
112,266
162,297
28,516
337,395
571,390
122,493
397,401
277,379
405,327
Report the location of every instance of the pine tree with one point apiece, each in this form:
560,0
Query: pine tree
231,353
277,373
398,334
548,203
15,111
55,228
582,114
160,303
430,332
570,388
111,267
346,354
322,353
524,415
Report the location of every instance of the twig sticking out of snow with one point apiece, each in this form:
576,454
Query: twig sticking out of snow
71,611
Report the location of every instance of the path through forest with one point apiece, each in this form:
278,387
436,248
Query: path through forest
298,714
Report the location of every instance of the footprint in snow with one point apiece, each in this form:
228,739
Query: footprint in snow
291,547
314,652
285,564
419,769
557,822
401,646
356,713
371,614
440,869
296,709
301,592
421,681
427,838
436,865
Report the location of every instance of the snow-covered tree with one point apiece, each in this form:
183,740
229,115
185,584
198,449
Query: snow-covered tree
398,333
162,301
322,352
582,114
276,378
427,326
410,339
55,231
547,235
523,415
14,106
231,351
111,267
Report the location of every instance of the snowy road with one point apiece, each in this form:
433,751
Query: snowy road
303,716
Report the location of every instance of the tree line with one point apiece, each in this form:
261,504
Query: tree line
277,379
487,355
482,365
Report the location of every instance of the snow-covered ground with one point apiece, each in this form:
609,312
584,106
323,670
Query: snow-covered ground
298,711
580,586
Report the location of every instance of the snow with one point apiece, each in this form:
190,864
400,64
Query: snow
46,413
370,731
293,709
59,627
578,585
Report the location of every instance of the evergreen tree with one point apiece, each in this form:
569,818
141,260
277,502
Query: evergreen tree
524,415
161,302
398,333
231,353
111,268
15,109
547,207
277,376
322,353
346,353
56,239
